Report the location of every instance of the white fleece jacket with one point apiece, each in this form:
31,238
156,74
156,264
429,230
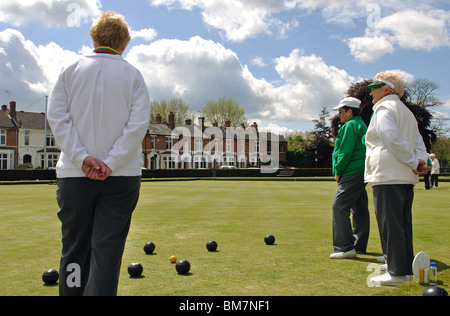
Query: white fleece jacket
99,107
394,144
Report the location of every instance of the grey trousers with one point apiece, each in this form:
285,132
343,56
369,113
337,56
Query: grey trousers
393,209
95,218
351,198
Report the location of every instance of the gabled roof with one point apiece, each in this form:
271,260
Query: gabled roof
5,120
159,129
31,120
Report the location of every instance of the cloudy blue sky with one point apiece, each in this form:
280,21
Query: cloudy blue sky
280,59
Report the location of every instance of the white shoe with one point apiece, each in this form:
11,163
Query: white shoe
343,255
381,259
387,279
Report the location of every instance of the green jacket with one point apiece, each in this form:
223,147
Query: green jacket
350,150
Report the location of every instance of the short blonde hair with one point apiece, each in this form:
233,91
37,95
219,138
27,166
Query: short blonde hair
396,79
110,29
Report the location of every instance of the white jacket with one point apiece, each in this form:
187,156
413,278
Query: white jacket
394,144
99,107
435,166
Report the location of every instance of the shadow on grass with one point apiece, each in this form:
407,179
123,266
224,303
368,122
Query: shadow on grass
363,258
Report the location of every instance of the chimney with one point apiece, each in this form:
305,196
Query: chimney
201,122
172,121
158,118
4,108
228,124
188,122
12,109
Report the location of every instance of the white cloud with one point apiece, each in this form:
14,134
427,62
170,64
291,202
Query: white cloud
369,49
199,70
239,19
146,34
258,61
273,128
446,104
30,70
68,13
196,70
407,29
311,85
417,30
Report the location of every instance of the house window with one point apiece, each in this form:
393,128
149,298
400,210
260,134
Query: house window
2,137
168,163
216,146
50,140
52,160
199,144
3,161
229,143
228,161
168,142
27,138
152,145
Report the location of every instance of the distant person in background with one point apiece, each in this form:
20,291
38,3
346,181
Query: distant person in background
435,170
351,196
395,157
426,178
99,110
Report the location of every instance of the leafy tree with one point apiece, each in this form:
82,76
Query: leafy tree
423,116
319,141
441,147
224,110
421,92
181,110
296,155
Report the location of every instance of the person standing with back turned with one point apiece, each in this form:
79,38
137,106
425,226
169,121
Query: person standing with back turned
99,110
395,157
435,170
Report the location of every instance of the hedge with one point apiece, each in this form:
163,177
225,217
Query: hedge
27,174
41,174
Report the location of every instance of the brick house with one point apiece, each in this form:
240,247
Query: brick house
8,137
26,138
186,146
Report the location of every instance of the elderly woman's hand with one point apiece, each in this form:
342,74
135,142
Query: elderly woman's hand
95,169
422,168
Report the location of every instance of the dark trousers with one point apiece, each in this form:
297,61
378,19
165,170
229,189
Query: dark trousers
426,179
393,209
434,180
95,219
351,198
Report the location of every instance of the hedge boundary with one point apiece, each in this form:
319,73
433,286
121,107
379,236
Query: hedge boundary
50,174
306,174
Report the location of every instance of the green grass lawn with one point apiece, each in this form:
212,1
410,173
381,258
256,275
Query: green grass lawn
180,217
